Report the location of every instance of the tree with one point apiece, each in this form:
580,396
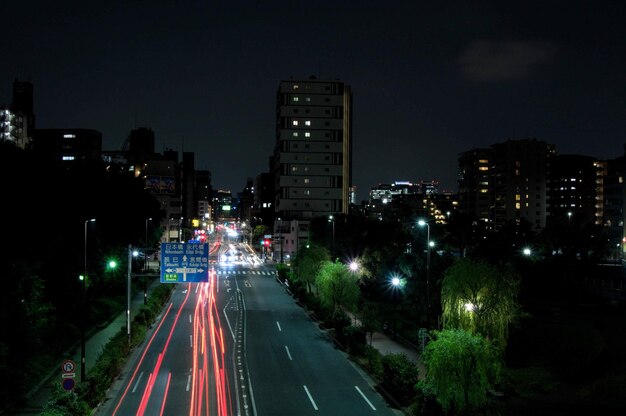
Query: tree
307,264
337,286
480,298
460,368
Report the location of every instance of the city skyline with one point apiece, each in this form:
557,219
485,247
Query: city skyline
429,81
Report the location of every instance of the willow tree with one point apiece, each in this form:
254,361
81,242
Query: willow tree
338,287
480,298
460,368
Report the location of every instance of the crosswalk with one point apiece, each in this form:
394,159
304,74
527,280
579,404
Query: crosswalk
246,272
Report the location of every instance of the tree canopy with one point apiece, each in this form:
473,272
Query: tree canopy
460,368
337,286
480,298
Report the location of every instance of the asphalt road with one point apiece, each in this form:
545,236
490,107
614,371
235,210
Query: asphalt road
240,345
294,368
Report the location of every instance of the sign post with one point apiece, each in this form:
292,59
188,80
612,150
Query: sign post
68,373
184,262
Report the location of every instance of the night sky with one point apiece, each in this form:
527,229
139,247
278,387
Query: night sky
429,79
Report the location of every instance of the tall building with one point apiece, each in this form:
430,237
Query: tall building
573,188
312,161
473,181
17,121
23,104
510,178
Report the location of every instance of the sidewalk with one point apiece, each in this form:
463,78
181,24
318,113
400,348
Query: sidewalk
37,398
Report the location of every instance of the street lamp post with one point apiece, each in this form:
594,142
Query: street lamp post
82,318
424,223
145,265
130,262
332,220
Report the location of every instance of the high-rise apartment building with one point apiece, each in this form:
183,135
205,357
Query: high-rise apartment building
473,181
312,162
507,182
573,187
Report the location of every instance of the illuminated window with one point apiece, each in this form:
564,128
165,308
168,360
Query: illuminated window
483,161
517,197
296,99
68,158
517,205
306,180
308,99
307,123
307,134
295,86
295,122
483,168
484,191
69,136
295,134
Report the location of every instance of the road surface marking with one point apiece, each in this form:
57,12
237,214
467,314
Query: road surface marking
191,341
197,287
279,328
137,383
288,353
189,318
310,398
188,381
364,398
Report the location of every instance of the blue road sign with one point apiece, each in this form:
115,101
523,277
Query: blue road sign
68,384
184,263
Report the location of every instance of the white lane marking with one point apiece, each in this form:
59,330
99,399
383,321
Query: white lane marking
137,383
197,287
364,398
310,398
188,381
191,341
288,353
279,328
189,318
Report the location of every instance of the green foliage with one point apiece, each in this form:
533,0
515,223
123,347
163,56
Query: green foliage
370,318
373,362
399,377
460,367
307,263
480,298
63,403
338,287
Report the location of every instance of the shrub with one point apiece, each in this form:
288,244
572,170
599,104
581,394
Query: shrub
399,377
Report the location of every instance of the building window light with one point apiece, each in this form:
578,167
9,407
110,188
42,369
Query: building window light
295,122
307,134
68,158
483,168
295,134
307,123
296,86
296,99
69,136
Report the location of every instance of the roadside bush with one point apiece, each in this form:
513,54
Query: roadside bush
355,339
373,362
63,403
399,377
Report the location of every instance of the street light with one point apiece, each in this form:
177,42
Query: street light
83,278
332,219
422,223
131,253
145,265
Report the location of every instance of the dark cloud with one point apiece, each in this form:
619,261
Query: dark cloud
503,60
